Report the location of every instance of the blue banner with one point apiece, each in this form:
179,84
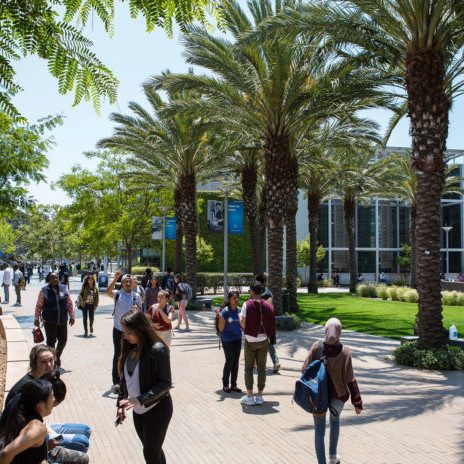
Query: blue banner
235,217
170,228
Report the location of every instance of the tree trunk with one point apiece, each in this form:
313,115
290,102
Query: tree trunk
291,271
428,109
262,224
277,157
349,208
179,232
313,216
190,226
249,182
413,240
129,256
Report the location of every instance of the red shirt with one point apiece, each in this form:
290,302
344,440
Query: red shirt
158,319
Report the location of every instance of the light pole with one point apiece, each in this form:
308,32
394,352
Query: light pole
164,209
42,260
447,230
225,189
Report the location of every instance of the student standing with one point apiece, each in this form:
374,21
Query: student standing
6,282
88,301
145,370
160,315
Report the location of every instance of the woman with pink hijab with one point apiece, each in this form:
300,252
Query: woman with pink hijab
342,385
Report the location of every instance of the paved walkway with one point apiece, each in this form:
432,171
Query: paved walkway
410,416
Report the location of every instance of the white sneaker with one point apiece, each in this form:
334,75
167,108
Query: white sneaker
259,400
248,400
334,460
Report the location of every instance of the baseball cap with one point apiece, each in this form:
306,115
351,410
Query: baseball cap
126,276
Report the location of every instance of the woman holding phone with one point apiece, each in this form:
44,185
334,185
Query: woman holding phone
145,370
160,316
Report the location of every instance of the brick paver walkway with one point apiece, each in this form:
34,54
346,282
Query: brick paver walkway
410,416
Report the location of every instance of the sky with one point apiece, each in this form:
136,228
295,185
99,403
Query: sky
133,55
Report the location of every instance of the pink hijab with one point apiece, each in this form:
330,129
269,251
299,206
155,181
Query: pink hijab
333,330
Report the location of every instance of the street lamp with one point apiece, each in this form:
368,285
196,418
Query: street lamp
447,230
164,209
42,260
225,189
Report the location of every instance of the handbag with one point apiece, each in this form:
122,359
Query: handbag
38,335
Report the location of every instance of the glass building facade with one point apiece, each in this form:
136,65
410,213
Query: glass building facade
382,226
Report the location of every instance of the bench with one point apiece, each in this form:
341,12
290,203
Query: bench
451,341
285,323
203,301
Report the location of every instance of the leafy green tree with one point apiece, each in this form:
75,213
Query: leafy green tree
22,159
414,46
7,237
404,259
303,253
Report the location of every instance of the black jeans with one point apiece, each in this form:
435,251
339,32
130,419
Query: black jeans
151,428
232,354
88,309
117,337
54,332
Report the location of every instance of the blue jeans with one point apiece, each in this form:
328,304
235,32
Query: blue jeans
6,289
273,355
319,432
75,436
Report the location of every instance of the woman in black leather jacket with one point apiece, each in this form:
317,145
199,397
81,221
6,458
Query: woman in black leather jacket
145,372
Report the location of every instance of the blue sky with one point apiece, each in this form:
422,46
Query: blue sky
133,55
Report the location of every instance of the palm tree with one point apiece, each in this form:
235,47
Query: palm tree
404,188
409,44
175,143
268,88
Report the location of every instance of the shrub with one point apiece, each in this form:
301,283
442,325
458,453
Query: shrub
361,290
296,320
450,298
382,292
460,299
411,296
400,283
284,282
140,270
326,283
409,354
393,293
401,293
367,291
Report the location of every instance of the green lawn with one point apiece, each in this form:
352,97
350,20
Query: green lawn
384,318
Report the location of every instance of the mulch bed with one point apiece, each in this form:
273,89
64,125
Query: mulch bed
2,369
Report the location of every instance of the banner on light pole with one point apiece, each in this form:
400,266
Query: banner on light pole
235,217
156,228
170,229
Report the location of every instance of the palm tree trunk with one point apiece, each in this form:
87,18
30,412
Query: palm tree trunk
190,226
179,232
313,216
291,271
349,208
129,256
428,109
413,240
249,182
277,157
262,224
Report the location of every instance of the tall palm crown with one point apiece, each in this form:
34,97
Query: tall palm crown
414,40
169,143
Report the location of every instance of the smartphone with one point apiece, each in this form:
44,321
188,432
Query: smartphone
58,438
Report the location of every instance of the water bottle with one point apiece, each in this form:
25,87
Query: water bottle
453,332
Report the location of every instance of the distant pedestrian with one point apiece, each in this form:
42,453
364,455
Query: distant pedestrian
160,315
151,293
231,338
267,296
6,282
63,276
258,321
146,278
182,297
145,370
168,282
342,385
135,287
17,281
88,302
54,304
124,300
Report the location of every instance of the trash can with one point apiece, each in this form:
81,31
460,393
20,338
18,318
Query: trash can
285,300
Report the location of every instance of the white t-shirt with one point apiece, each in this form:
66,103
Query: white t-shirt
17,276
7,277
260,338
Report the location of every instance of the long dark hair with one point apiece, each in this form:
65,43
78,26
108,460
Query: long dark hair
136,322
33,393
85,284
59,387
150,282
229,296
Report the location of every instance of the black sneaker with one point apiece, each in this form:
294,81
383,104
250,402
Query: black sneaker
226,389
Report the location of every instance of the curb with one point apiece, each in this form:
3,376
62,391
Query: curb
17,350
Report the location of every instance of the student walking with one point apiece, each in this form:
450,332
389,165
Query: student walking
145,370
231,338
181,295
342,385
160,315
17,278
258,321
54,304
151,293
88,302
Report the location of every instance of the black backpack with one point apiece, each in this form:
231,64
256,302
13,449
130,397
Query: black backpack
170,282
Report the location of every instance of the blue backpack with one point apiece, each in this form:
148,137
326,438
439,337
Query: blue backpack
312,389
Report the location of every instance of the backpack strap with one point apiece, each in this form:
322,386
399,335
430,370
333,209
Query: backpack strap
320,346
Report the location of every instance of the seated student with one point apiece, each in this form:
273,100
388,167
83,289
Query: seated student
41,361
23,437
